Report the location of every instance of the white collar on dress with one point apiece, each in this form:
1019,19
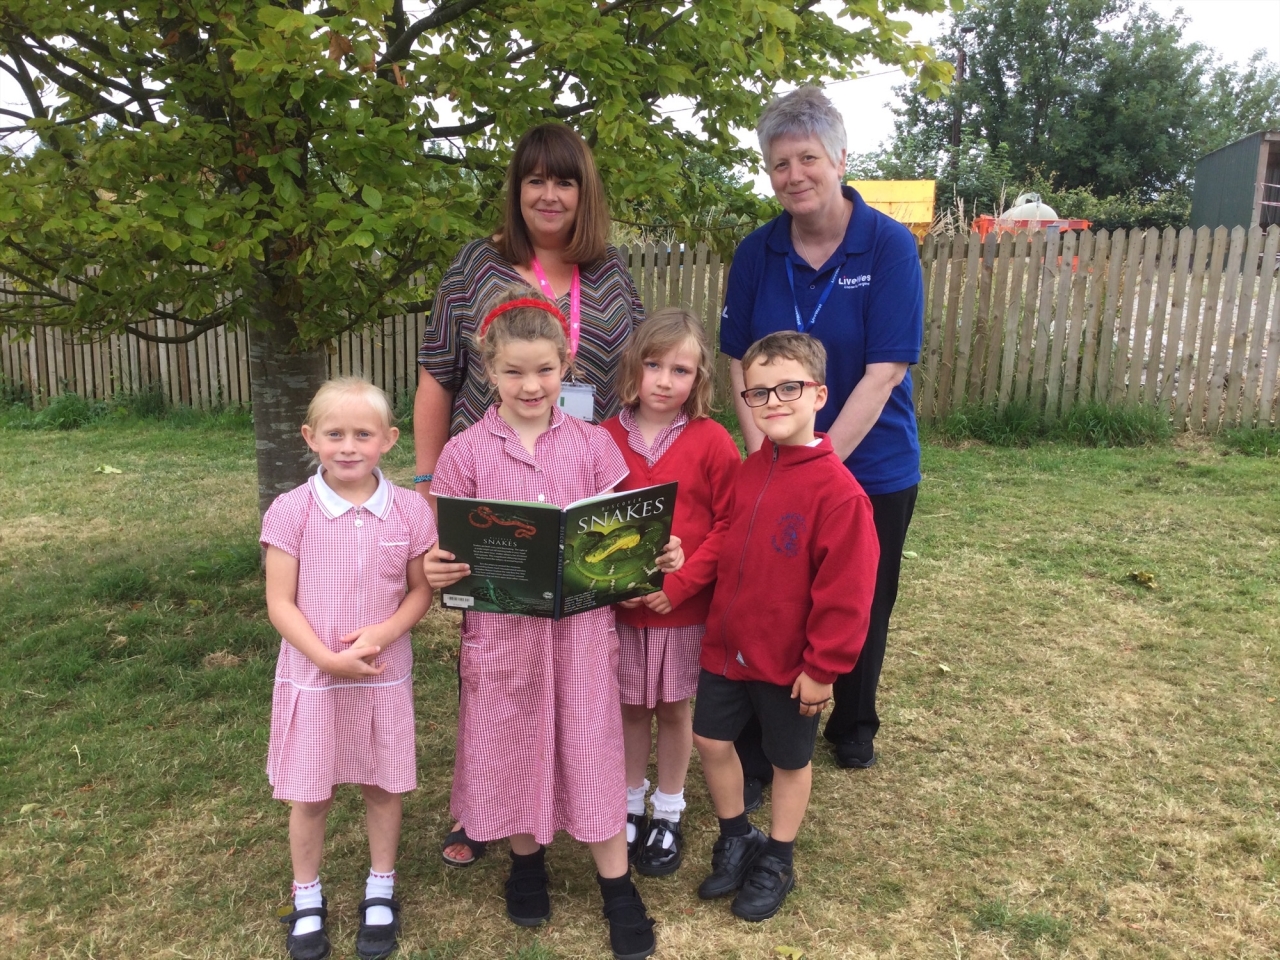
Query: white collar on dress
335,506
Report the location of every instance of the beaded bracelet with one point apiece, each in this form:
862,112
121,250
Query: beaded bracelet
423,477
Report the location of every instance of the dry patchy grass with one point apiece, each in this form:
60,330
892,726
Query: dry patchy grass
1072,764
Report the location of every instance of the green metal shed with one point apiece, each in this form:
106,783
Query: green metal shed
1239,185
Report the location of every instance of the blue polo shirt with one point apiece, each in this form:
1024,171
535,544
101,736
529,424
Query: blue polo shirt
873,314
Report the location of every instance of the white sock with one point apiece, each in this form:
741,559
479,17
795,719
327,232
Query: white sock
305,896
635,807
379,885
667,806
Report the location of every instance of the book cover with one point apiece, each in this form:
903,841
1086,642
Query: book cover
539,560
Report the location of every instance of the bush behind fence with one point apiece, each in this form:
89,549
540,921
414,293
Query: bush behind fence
1186,322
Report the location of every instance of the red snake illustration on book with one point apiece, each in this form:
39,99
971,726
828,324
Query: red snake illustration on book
485,516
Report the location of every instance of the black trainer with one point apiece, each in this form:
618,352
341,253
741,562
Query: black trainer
752,794
658,859
308,946
528,903
642,830
766,886
631,934
731,858
855,754
377,941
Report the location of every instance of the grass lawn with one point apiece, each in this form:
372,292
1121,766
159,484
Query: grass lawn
1073,763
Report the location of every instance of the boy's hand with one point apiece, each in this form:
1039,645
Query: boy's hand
813,696
440,572
354,663
671,558
657,602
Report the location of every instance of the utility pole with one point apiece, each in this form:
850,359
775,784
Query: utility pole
957,96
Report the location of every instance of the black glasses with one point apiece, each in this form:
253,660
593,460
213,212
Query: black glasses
788,391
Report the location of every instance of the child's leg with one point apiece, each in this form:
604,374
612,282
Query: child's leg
723,773
611,856
306,846
630,929
675,745
790,800
637,741
382,818
382,813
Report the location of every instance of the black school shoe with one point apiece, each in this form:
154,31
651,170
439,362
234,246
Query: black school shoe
377,941
766,886
731,859
642,830
631,934
528,903
855,754
308,946
657,859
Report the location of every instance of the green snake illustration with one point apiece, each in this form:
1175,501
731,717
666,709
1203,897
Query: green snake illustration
622,559
508,602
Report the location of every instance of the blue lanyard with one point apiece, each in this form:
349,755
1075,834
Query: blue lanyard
801,326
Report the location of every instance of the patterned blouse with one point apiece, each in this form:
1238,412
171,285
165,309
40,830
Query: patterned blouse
611,309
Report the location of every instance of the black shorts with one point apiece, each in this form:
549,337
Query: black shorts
724,706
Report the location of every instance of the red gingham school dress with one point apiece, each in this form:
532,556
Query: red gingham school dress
351,573
657,663
539,722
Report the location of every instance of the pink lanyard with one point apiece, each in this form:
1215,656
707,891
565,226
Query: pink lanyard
575,301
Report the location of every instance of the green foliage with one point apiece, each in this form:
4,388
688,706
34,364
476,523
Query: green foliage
68,411
1252,441
1099,96
317,165
14,392
1088,425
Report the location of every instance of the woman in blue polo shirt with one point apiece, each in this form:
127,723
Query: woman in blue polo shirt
832,267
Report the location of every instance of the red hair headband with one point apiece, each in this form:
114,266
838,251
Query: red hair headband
532,302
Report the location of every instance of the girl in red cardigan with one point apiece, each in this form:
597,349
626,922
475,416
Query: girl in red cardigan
665,433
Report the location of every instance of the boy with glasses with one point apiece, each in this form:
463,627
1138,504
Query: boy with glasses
797,569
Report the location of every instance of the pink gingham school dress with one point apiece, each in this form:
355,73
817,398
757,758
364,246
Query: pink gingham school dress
351,572
539,721
657,664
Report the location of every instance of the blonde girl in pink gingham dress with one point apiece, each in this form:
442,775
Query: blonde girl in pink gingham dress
344,585
539,722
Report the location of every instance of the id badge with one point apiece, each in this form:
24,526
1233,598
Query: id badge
578,400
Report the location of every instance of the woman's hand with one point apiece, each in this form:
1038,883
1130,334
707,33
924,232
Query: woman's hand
441,572
671,558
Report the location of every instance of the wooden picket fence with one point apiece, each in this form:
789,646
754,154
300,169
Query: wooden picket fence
1187,321
213,369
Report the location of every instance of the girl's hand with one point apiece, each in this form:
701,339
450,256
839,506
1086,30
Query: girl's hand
354,663
657,602
630,604
374,636
672,557
440,572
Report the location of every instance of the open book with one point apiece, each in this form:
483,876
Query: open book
544,561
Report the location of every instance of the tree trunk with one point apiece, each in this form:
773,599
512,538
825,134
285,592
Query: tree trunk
284,379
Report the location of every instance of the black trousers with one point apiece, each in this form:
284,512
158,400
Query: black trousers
854,715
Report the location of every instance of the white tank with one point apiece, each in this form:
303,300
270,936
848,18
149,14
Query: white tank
1028,207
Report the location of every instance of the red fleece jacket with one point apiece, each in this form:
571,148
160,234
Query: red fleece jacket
797,569
704,459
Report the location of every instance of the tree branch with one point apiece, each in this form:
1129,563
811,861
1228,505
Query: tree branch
19,72
199,331
442,15
73,85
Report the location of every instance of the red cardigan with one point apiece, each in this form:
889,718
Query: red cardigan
797,569
704,459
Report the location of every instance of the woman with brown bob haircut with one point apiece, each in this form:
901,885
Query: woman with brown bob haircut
554,238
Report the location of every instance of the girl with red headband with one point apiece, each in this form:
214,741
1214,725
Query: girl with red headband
539,731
